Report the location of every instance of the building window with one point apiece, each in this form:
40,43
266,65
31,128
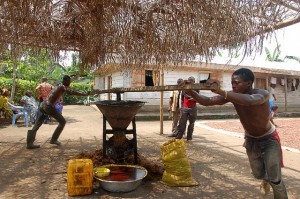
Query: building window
260,83
149,78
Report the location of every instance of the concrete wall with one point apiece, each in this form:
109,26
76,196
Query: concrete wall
293,97
151,98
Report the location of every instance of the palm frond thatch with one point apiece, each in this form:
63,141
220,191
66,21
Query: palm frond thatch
142,31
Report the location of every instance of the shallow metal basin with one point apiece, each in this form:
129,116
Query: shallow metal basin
118,181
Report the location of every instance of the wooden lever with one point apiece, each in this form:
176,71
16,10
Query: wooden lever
200,86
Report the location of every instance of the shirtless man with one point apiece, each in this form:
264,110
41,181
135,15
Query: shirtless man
48,108
43,90
261,139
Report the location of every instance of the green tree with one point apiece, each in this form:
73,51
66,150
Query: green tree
78,74
28,65
32,66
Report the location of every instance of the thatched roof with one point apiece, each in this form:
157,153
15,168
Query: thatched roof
142,31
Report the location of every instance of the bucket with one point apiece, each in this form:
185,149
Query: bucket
80,177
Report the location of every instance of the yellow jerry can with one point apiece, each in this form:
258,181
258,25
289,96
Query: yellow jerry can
80,177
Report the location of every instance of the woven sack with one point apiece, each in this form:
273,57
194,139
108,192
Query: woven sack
176,164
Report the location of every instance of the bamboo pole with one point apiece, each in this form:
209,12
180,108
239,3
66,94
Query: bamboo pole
199,86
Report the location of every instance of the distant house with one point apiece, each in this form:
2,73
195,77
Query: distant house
284,75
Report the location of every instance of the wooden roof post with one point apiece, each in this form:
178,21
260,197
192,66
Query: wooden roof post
285,93
162,101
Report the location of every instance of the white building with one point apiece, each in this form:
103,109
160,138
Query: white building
285,75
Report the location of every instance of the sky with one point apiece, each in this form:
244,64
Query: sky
289,40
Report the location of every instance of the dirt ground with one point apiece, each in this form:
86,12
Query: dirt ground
287,128
218,160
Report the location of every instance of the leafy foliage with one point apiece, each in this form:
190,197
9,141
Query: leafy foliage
71,99
32,67
23,85
274,57
293,58
276,53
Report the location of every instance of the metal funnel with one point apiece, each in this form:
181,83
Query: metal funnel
119,114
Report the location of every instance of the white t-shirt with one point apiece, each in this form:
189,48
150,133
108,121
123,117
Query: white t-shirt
271,92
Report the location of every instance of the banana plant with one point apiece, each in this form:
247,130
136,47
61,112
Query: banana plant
274,57
292,58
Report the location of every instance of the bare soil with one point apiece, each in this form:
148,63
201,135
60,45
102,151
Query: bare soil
218,161
287,128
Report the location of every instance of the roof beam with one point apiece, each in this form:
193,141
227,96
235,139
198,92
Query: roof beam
286,5
280,25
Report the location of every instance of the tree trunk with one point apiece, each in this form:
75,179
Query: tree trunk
14,75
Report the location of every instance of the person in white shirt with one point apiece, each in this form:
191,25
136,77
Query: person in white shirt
272,91
30,105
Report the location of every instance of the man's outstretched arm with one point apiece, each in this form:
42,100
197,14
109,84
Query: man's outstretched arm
204,100
207,101
71,92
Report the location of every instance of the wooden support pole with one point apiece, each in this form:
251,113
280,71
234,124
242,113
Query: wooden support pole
285,93
162,102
